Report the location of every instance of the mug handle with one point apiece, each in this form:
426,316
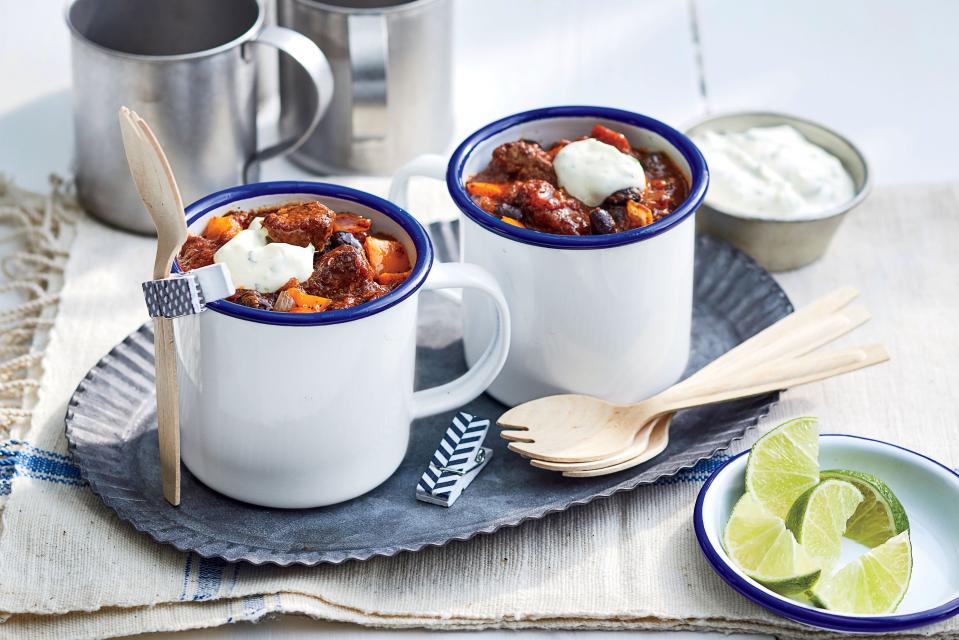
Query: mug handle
369,59
305,53
452,395
430,165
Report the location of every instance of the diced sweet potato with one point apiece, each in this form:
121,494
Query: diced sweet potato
610,137
513,221
386,256
390,279
289,284
639,215
488,189
243,218
221,229
305,303
351,223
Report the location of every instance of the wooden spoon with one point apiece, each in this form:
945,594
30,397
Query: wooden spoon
576,428
804,339
154,180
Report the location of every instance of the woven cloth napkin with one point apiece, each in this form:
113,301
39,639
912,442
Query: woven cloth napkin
70,569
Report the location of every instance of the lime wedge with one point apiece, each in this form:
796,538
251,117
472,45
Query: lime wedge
765,550
873,583
818,519
784,464
880,516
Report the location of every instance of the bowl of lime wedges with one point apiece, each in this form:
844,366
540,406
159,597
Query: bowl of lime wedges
835,531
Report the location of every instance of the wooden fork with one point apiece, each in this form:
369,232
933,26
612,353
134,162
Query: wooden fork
576,428
799,333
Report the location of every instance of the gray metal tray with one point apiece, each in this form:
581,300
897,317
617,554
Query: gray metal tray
111,424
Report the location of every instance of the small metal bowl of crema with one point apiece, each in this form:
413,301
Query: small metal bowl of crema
779,243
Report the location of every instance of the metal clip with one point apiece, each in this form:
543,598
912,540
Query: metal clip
457,461
187,293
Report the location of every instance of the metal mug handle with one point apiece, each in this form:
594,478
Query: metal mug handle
306,54
369,60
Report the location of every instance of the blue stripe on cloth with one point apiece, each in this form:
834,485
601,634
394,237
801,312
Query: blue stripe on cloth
209,578
20,459
253,608
699,473
202,577
187,567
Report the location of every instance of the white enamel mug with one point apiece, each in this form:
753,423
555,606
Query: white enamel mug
603,315
306,410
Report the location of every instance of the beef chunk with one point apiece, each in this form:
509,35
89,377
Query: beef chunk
341,271
254,299
370,291
197,252
301,224
523,160
547,208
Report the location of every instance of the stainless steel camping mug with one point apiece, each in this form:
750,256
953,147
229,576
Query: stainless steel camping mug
391,61
189,68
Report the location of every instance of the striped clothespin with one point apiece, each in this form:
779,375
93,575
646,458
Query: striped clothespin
456,462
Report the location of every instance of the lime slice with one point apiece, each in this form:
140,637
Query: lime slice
818,519
873,583
766,550
784,464
880,516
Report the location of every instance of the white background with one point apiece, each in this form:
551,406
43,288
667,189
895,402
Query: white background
884,73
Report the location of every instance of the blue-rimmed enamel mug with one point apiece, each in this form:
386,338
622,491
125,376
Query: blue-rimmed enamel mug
306,410
603,315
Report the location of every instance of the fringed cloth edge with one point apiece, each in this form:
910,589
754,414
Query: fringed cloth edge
36,231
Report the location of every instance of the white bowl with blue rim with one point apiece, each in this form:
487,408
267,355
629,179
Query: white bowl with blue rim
928,490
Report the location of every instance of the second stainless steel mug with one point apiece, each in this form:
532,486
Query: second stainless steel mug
189,68
391,61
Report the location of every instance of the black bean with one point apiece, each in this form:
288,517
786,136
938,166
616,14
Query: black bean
508,210
601,221
345,237
620,197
